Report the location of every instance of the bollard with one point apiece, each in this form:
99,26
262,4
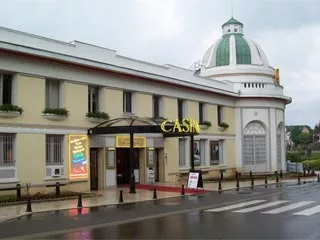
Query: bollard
312,172
252,183
237,176
299,179
121,196
318,177
304,173
250,174
29,209
281,174
277,179
221,175
154,193
182,190
18,192
79,201
57,189
238,185
219,187
265,182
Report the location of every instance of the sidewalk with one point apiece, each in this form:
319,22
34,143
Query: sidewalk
111,196
107,197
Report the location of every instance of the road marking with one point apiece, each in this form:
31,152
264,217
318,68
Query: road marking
251,209
289,207
309,211
239,205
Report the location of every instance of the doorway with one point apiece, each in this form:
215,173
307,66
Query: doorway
94,169
123,164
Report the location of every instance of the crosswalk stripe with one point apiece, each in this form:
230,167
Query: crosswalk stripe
309,211
239,205
251,209
289,207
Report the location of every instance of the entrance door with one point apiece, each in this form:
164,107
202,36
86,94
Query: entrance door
123,164
94,169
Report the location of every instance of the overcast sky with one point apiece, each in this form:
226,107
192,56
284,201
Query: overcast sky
178,32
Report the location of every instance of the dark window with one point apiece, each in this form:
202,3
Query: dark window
180,109
201,112
156,106
93,99
6,83
127,102
214,153
219,109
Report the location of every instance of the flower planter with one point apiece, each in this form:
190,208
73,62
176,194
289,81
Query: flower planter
96,120
204,127
54,117
4,114
222,129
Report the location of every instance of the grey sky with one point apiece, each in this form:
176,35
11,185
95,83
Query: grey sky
179,32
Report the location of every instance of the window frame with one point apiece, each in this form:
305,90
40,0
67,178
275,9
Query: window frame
182,147
91,91
11,94
6,162
49,92
124,107
52,138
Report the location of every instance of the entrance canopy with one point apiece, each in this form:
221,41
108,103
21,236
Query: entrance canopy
134,124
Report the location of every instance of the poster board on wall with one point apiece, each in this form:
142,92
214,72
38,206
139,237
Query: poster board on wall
78,156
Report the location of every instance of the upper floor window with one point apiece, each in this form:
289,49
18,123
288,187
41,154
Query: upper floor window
6,89
54,149
220,114
53,93
128,102
201,113
93,99
181,109
156,106
7,144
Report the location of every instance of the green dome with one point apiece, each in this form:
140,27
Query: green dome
243,54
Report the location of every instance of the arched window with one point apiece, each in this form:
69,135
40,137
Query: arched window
254,144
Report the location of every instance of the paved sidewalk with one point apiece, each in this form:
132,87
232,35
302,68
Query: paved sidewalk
108,197
111,196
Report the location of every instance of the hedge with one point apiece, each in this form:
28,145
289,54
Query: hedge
313,164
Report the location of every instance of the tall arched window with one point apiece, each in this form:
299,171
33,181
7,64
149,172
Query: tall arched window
254,144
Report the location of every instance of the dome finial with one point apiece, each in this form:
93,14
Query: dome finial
231,1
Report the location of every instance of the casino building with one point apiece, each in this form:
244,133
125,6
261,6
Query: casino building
52,92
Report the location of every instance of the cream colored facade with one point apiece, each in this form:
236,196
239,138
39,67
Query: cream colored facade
35,147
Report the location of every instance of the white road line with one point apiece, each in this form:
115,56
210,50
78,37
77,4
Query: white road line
251,209
239,205
289,207
309,211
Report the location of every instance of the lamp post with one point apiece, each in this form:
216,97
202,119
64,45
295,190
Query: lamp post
192,152
132,180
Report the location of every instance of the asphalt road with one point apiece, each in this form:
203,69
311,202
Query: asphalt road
277,212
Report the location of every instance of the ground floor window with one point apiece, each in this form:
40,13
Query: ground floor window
7,146
182,152
216,152
54,150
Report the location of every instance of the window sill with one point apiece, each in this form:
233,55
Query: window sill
184,169
10,180
56,179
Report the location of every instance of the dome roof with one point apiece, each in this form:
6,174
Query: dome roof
233,48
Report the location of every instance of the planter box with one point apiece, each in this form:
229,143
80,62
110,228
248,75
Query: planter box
96,120
54,117
4,114
204,127
222,129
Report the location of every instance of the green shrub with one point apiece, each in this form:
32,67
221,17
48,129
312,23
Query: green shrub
10,108
207,123
294,156
313,164
101,115
56,111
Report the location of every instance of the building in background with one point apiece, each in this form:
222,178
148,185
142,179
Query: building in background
51,92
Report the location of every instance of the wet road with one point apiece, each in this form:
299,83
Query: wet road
285,212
